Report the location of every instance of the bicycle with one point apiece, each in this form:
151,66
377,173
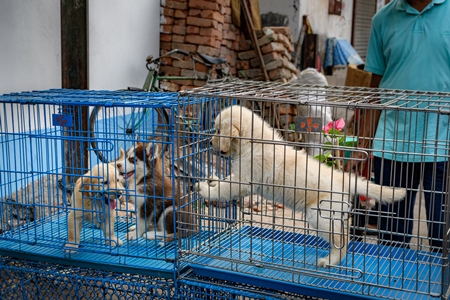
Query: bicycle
108,123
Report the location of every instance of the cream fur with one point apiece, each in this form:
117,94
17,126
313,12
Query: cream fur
264,164
103,180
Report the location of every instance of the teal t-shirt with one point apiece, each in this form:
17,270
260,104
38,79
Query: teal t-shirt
411,50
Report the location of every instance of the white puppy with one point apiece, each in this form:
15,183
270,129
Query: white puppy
264,164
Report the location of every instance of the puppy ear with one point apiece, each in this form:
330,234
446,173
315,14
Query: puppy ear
236,131
228,132
121,158
153,150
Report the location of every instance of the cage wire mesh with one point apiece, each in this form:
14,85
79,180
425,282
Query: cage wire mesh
192,286
251,209
64,193
22,279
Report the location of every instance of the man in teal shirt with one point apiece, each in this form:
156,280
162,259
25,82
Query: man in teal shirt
409,49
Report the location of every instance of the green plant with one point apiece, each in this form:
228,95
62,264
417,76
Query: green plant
334,137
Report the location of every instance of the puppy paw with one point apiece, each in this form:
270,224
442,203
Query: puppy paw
150,235
202,188
71,248
213,181
323,262
132,235
114,242
117,242
368,203
132,228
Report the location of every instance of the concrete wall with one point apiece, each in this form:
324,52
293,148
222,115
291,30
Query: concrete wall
121,35
30,45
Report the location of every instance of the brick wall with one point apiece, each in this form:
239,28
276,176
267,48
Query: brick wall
205,26
202,26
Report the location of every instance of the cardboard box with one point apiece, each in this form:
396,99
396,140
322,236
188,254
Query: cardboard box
357,77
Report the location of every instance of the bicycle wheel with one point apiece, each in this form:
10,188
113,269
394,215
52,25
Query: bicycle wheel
112,128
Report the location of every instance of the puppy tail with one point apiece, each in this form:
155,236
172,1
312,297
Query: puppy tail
380,194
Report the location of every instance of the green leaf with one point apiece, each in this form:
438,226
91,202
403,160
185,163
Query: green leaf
334,131
292,126
351,143
321,158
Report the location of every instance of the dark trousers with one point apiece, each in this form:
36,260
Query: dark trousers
395,221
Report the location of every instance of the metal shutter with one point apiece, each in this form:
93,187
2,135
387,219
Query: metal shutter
363,11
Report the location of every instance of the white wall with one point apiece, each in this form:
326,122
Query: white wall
122,34
30,45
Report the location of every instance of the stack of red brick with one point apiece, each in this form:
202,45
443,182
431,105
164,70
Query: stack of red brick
276,48
202,26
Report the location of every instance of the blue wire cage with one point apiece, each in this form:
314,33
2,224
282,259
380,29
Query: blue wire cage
51,138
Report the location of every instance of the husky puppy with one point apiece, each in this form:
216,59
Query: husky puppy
150,190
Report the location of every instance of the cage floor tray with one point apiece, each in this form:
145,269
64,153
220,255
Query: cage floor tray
287,261
44,240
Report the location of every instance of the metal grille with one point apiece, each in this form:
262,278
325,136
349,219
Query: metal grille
264,236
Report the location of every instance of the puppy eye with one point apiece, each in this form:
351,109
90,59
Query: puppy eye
105,182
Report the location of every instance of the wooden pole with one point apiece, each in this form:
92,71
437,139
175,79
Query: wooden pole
251,30
74,69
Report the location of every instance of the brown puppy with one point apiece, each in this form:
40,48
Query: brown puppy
94,200
151,192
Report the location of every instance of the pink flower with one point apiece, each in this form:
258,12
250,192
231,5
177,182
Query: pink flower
338,125
328,127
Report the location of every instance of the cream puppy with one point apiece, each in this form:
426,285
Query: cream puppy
264,164
95,199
